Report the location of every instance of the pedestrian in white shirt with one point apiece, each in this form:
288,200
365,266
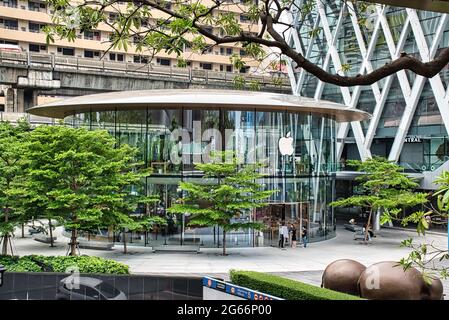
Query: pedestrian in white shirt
283,234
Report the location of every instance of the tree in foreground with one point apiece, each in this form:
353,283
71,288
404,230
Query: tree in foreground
384,187
228,191
429,258
80,176
188,24
125,218
12,139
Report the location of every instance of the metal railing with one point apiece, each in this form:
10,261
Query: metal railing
13,117
62,63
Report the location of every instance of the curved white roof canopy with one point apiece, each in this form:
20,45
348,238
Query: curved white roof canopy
198,99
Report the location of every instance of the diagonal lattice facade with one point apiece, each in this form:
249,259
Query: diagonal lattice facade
410,118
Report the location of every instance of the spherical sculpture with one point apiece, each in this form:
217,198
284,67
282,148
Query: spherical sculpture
434,290
342,275
388,281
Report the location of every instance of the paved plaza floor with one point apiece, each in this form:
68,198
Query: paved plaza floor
305,264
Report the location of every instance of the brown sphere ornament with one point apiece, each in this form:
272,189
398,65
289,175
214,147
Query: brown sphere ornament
387,280
342,275
434,290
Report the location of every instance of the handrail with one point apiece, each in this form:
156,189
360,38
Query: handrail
61,63
13,117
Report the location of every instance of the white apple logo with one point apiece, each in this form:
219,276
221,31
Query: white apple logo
286,145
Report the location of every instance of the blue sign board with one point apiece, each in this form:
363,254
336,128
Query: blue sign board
235,290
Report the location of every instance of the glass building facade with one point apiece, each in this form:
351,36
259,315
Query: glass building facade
298,150
410,113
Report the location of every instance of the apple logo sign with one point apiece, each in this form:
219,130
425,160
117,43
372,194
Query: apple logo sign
286,145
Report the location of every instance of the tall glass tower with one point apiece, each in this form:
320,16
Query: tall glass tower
410,120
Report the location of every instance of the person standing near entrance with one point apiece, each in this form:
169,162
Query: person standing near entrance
283,234
293,235
281,237
304,236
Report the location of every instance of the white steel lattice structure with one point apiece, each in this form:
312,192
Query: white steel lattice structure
402,104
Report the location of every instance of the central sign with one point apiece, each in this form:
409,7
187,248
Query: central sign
413,139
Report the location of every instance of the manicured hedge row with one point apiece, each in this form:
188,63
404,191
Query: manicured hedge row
285,288
85,264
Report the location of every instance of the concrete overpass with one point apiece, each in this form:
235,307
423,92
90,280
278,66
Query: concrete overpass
24,76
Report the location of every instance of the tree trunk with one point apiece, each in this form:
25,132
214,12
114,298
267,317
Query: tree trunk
125,249
23,230
224,242
110,234
5,240
73,243
50,226
367,225
6,236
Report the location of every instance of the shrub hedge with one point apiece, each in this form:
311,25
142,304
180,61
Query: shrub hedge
85,264
285,288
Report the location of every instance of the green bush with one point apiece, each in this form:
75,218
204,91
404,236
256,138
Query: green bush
285,288
35,263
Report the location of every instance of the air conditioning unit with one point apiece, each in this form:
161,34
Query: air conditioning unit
23,7
23,28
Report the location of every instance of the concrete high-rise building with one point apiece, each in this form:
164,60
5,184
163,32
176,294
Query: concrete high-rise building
410,113
21,24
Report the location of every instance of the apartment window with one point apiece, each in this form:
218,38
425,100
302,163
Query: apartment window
163,62
244,18
66,51
242,53
228,51
144,22
9,3
92,35
206,66
35,27
37,6
9,42
137,39
116,57
228,68
9,24
33,47
112,17
222,51
140,59
91,54
244,70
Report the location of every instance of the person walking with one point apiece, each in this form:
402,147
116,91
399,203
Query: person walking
304,236
293,235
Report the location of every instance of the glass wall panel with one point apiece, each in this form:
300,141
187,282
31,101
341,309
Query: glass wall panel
297,149
160,142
